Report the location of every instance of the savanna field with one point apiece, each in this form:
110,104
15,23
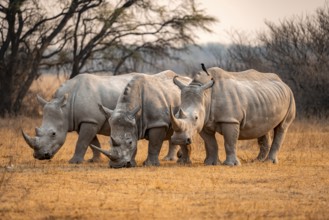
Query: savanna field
296,188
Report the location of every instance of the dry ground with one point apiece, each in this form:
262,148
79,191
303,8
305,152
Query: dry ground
296,188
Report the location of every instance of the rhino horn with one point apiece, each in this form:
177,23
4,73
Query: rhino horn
106,111
106,153
179,83
208,85
135,110
32,142
177,124
41,100
38,131
181,114
61,101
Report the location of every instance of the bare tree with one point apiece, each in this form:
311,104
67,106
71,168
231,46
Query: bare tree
297,49
118,33
123,35
26,33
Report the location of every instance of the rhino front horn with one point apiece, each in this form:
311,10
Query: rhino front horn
32,142
106,153
176,123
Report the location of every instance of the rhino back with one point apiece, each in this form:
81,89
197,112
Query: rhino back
155,94
258,101
86,91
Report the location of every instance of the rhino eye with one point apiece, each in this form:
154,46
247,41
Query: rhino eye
53,134
196,117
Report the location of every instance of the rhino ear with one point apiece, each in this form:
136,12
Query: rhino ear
179,83
61,102
181,114
106,111
133,112
42,101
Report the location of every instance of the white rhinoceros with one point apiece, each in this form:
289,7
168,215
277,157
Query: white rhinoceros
242,105
74,107
142,112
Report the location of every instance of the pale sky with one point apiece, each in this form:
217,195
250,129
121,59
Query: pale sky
249,15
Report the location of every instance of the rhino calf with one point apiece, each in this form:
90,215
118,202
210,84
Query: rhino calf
242,105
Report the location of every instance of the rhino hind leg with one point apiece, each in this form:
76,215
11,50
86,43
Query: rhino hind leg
87,133
96,154
279,134
264,147
211,147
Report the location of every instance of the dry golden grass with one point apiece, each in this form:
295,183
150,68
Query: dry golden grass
296,188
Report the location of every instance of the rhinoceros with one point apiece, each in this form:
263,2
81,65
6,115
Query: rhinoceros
238,105
142,112
74,108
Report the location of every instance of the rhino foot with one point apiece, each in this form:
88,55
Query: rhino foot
184,161
76,160
211,161
272,160
169,158
151,163
95,160
234,162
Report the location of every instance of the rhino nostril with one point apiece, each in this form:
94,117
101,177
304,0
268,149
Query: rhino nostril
128,164
188,141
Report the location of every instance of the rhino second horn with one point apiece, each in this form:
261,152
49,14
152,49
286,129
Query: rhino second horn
38,132
32,142
176,123
106,153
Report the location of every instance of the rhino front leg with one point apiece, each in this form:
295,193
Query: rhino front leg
171,155
96,154
211,148
231,134
156,137
87,133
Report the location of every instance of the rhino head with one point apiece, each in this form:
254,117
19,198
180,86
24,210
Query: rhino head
52,133
123,139
191,116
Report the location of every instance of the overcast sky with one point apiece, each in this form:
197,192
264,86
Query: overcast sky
249,15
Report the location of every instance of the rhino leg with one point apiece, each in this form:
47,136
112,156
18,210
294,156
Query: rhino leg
156,137
171,155
231,134
87,133
96,154
279,134
211,147
264,147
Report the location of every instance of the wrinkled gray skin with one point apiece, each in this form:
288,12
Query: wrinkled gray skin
142,112
244,105
74,107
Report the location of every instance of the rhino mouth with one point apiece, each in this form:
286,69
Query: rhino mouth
48,155
43,157
117,165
